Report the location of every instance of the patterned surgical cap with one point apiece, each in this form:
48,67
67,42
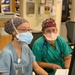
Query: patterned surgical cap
48,23
8,27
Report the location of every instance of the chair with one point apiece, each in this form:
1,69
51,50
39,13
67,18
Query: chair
70,26
36,35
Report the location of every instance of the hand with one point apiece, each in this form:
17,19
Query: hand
1,74
55,66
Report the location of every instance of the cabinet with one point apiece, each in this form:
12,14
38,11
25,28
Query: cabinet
6,6
4,39
66,10
0,6
9,5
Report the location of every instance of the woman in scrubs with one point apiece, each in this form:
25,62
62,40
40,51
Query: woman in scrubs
16,58
52,52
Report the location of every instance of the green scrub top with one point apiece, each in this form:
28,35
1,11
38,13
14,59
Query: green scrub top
43,51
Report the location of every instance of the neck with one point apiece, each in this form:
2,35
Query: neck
17,44
50,42
18,47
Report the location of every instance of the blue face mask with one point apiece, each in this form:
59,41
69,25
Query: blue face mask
25,37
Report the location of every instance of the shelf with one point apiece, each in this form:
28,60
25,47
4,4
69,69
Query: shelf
5,1
5,4
3,18
9,6
42,3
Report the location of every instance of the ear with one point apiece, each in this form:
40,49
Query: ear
43,32
57,29
14,33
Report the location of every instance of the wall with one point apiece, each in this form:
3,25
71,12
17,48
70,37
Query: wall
58,4
36,19
73,11
30,17
63,31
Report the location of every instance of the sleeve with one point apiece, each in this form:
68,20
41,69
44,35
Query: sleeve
5,62
32,57
37,52
29,52
66,49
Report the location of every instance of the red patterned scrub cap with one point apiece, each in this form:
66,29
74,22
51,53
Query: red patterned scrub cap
48,23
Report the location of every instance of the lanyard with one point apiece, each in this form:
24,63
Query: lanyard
19,70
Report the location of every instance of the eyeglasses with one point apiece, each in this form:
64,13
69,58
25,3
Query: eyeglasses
51,30
24,30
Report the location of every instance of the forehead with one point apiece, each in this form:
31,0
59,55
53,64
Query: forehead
24,25
50,28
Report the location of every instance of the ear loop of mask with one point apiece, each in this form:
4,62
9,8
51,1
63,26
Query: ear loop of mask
14,26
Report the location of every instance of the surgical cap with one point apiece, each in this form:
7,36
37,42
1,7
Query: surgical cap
48,23
8,27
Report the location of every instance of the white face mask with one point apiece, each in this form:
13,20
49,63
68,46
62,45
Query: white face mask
51,36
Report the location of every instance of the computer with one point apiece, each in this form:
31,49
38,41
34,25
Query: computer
72,65
70,25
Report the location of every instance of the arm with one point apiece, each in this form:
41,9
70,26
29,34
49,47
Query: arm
1,74
45,65
38,69
67,61
37,52
5,62
49,65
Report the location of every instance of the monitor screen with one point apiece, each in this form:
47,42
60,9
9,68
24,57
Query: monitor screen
72,65
70,25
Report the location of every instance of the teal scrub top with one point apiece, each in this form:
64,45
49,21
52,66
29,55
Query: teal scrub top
9,60
43,51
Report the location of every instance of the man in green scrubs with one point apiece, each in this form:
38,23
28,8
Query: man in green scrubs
52,52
